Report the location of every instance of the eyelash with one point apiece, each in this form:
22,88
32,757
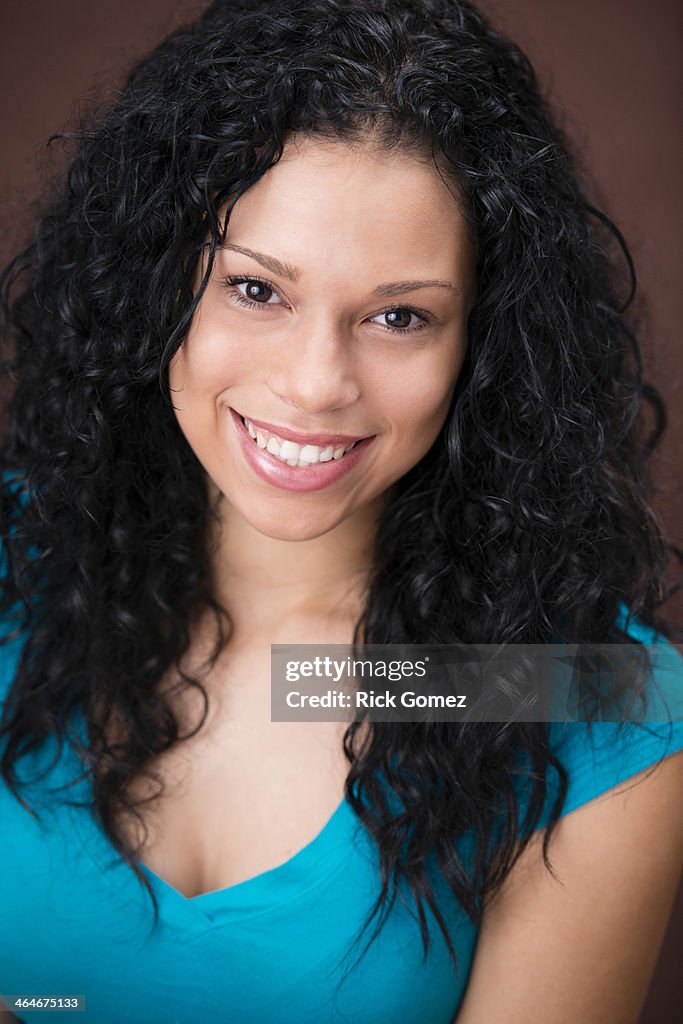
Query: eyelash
242,300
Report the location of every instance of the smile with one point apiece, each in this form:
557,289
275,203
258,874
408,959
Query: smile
292,453
292,466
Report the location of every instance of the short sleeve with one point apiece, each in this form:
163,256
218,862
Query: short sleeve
610,753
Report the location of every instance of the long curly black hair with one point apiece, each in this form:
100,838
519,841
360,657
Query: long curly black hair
527,520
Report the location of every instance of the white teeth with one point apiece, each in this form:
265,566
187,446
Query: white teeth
288,450
291,452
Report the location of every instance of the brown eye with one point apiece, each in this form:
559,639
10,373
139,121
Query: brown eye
400,320
398,317
255,290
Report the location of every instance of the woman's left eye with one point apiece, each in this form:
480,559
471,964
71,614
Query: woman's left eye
399,320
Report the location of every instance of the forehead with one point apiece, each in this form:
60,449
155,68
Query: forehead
351,198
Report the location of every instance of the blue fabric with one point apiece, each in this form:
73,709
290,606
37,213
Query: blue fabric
75,921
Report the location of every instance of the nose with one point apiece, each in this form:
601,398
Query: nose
313,367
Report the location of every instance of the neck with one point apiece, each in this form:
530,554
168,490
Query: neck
272,587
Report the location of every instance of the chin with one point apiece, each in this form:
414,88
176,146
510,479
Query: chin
276,529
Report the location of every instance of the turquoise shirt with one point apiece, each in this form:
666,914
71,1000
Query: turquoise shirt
75,921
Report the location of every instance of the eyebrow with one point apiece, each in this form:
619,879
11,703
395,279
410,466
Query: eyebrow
396,287
293,274
269,262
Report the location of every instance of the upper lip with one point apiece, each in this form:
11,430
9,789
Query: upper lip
301,437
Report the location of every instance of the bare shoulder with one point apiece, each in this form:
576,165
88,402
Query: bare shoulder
583,948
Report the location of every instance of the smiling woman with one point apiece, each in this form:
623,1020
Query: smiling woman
321,342
316,348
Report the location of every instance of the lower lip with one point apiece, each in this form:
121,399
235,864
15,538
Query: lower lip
293,478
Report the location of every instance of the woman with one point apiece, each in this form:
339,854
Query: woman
320,343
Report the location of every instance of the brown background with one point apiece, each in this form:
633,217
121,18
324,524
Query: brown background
614,69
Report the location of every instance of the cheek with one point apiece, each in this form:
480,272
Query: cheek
198,374
207,362
422,397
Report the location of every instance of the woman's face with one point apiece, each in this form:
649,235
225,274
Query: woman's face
338,306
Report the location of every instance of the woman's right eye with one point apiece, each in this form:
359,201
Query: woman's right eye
253,296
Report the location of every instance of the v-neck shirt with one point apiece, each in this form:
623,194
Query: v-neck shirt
74,920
